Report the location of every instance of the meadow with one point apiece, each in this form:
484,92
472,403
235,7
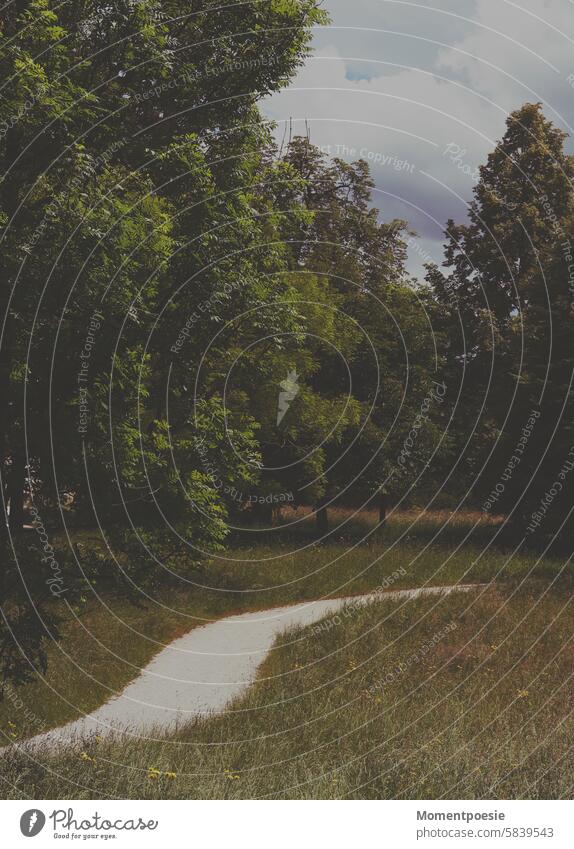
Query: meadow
464,696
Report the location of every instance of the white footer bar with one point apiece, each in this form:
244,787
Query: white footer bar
289,824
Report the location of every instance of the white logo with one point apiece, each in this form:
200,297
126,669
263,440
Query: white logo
290,391
32,822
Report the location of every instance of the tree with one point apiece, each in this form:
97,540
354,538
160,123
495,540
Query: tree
67,119
508,291
368,321
127,132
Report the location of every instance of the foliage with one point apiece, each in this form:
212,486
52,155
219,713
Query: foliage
509,291
129,139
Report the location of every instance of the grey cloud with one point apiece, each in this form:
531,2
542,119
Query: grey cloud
387,96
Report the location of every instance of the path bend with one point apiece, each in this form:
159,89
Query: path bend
200,673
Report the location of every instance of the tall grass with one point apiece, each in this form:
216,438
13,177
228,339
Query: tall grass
456,697
108,639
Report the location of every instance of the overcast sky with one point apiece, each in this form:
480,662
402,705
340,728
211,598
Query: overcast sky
422,91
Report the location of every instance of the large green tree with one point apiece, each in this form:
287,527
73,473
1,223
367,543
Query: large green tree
128,133
374,357
129,143
506,309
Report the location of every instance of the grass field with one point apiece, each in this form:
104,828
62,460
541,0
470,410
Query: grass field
465,696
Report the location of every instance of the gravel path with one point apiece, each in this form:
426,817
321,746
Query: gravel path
200,673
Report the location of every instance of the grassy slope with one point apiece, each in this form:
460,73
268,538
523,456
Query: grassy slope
104,645
480,710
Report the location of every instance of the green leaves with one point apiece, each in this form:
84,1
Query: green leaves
286,7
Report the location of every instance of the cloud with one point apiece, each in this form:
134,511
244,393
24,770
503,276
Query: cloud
402,125
519,51
425,123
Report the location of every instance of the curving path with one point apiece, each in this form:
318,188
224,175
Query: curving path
201,672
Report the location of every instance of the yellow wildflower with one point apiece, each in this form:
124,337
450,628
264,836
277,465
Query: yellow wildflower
229,774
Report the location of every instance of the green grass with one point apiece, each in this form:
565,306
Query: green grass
481,709
106,641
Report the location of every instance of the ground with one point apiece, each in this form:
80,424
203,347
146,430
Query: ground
464,698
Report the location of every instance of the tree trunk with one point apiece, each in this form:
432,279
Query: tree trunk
322,517
382,509
5,407
264,513
9,201
16,483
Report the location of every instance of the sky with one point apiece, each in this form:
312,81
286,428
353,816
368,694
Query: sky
422,91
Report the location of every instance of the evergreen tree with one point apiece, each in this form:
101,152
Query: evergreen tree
507,314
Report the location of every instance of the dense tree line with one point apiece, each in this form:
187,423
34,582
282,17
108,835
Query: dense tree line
199,325
507,299
127,201
132,152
